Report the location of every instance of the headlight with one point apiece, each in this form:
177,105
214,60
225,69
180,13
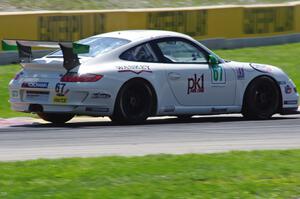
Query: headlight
262,67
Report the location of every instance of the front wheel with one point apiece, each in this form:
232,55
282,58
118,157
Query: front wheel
56,118
261,99
134,103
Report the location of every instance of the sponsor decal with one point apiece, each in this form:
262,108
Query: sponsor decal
219,110
97,109
100,95
60,99
240,73
37,95
261,21
169,109
288,89
60,93
35,85
137,69
196,23
218,75
195,84
60,89
291,102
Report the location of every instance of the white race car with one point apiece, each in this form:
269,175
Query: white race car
132,75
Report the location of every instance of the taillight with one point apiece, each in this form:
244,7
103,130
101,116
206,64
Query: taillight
74,77
18,75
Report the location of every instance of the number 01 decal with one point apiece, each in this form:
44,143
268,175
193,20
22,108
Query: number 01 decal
218,75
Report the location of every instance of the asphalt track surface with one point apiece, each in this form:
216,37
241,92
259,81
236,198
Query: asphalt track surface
203,134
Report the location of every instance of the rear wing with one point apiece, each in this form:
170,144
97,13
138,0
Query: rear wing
70,50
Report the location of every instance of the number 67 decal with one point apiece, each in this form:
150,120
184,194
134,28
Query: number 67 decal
59,89
218,75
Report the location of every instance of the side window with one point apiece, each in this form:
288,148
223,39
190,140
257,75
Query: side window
180,51
141,53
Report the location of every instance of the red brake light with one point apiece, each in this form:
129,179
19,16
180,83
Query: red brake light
74,77
18,75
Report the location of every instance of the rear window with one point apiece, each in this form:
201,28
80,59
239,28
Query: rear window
98,45
142,53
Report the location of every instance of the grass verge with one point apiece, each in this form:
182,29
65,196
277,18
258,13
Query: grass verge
283,56
258,174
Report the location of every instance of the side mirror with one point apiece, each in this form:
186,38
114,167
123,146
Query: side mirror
212,60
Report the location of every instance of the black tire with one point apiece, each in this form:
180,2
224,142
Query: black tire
262,99
134,103
56,118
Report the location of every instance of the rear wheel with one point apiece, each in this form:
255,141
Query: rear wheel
262,99
134,103
56,118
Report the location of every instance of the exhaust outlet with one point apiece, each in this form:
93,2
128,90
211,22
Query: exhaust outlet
36,108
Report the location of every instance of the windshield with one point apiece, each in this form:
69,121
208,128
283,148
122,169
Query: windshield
98,45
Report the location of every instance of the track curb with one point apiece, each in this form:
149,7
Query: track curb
6,122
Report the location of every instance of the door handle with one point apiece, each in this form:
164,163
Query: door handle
174,76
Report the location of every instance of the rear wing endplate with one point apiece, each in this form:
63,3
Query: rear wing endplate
70,50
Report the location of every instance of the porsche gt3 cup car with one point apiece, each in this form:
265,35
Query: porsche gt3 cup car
132,75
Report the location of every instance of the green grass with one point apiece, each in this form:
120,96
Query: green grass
284,56
263,174
116,4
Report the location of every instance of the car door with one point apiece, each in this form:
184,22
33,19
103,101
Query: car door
192,80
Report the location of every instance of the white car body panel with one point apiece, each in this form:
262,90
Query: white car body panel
173,83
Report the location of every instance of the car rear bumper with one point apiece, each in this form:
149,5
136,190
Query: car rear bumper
81,99
89,110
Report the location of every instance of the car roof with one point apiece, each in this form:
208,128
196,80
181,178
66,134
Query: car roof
136,35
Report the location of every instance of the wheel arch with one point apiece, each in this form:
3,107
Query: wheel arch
145,81
278,87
